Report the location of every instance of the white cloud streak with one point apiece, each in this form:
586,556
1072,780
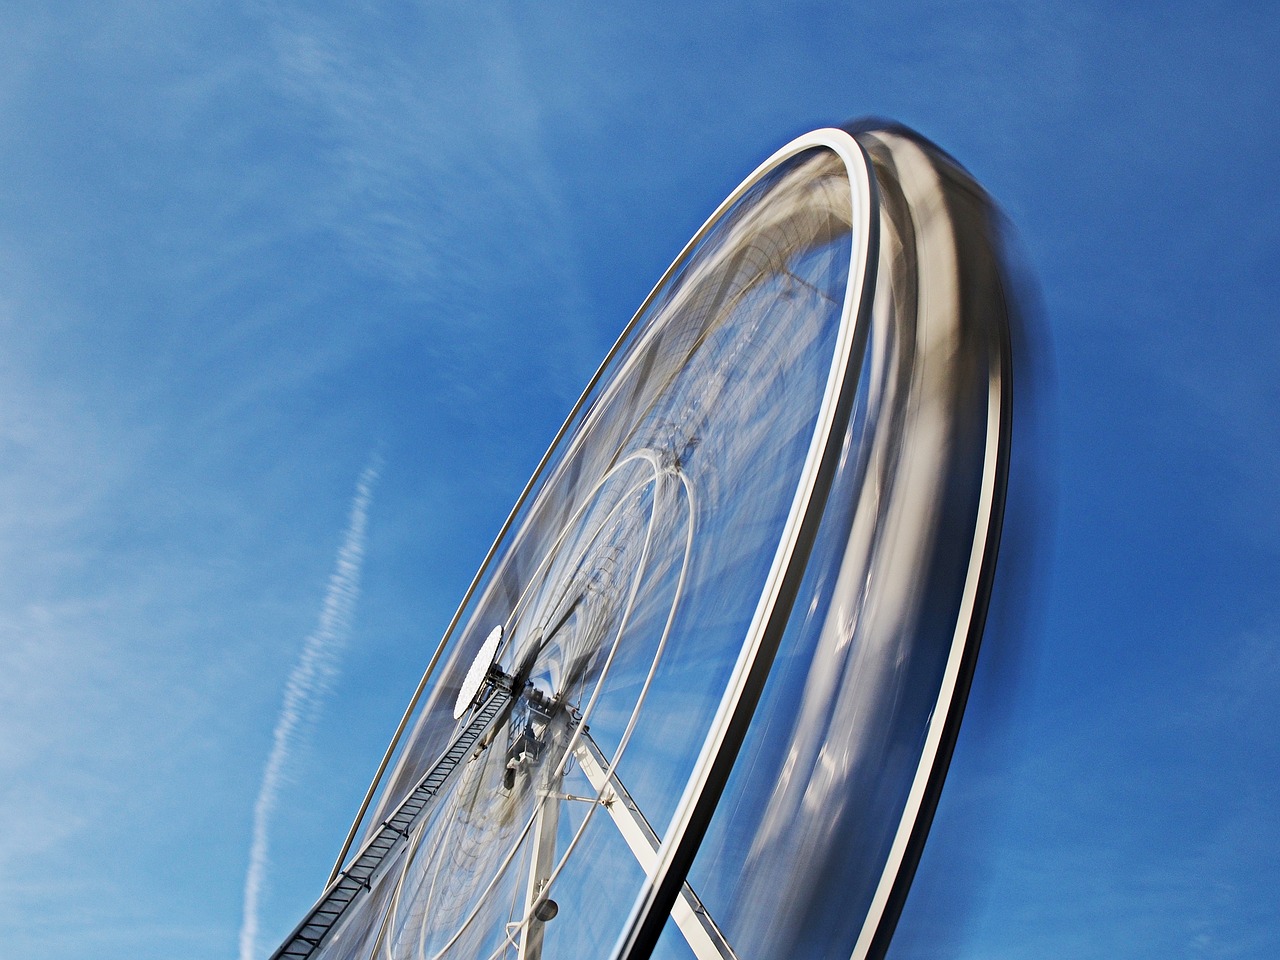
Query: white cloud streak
309,682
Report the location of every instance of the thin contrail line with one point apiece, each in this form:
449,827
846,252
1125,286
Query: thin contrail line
304,691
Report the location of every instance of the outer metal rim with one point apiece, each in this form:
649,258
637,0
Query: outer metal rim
917,815
720,748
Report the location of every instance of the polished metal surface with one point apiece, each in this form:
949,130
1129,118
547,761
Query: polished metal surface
740,599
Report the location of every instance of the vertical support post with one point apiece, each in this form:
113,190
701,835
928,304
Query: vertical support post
541,863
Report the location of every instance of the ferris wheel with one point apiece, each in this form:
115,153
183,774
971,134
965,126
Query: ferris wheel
700,698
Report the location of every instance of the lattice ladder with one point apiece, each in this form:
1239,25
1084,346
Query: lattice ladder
357,877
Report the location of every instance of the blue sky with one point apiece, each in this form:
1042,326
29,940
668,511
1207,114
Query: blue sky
247,250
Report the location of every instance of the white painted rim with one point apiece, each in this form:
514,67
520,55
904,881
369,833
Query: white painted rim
862,209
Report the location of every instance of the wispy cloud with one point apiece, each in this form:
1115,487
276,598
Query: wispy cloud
414,152
308,684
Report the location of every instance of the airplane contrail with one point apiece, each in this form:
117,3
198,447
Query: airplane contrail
308,683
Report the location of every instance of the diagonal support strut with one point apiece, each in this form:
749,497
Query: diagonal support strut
692,918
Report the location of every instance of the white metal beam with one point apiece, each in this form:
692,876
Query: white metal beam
541,863
691,917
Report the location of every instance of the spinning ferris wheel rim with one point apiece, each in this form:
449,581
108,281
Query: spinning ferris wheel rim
821,469
680,843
